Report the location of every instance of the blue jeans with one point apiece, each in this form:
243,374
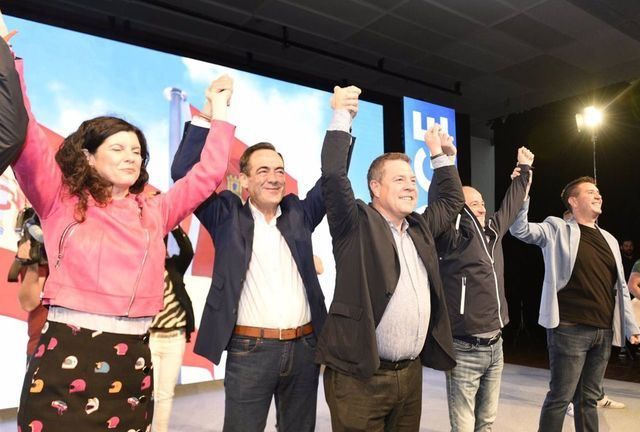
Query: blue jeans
473,386
578,356
259,369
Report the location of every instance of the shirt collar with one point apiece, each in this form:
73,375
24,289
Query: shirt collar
403,227
258,215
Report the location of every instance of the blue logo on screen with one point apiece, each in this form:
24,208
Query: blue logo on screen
418,117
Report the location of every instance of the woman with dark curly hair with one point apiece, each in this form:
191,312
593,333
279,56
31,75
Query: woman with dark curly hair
104,237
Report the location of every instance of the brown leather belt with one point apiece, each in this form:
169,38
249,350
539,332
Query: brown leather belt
279,334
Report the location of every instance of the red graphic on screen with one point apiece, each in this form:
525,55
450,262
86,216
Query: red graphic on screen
204,249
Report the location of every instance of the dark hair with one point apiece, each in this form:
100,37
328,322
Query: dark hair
81,178
376,169
246,155
570,189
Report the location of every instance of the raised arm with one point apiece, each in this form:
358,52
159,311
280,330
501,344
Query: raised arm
207,173
13,115
339,199
36,169
345,107
516,193
532,233
442,211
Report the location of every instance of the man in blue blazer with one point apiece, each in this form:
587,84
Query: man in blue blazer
265,305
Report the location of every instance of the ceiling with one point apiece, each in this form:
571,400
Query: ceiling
487,58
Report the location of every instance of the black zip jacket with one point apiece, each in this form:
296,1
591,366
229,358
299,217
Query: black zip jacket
472,264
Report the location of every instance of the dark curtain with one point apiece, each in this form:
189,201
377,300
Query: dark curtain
562,154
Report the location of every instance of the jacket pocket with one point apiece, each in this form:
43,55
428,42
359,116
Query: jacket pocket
345,310
463,293
344,333
214,298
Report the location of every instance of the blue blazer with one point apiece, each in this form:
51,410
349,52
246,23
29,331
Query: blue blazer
230,224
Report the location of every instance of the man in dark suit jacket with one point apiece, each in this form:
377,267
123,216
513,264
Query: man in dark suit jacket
388,313
265,304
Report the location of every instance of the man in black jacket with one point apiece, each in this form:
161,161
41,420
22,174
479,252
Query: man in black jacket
13,116
472,269
388,313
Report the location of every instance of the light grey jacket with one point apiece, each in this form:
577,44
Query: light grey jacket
559,240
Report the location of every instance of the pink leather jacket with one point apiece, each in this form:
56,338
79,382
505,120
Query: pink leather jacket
113,262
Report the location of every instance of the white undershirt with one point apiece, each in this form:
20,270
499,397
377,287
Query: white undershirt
273,295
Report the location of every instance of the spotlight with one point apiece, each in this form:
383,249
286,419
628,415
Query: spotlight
590,119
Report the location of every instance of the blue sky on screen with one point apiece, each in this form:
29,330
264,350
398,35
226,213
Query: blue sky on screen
73,76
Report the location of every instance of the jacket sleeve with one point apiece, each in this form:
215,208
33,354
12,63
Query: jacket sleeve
187,155
314,201
186,249
442,212
449,238
189,150
36,169
512,201
532,233
13,115
339,199
313,205
204,176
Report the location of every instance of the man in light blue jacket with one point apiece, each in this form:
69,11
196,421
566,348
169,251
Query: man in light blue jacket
585,304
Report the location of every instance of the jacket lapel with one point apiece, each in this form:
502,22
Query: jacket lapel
246,231
284,226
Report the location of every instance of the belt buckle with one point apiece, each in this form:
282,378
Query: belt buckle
495,338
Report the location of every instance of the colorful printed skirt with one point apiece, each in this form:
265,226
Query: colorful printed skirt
85,380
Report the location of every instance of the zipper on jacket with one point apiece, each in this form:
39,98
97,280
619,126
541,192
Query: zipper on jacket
66,233
495,276
144,259
490,255
463,294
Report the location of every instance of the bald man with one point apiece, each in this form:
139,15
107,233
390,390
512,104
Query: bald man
472,270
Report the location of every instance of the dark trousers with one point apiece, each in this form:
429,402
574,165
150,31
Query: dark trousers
578,356
258,370
388,401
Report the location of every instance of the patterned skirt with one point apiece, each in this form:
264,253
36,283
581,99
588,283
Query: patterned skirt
85,380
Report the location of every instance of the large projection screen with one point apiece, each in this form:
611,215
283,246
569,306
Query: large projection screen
73,76
418,117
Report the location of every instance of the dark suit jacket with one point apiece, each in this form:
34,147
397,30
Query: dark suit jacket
368,269
230,224
13,115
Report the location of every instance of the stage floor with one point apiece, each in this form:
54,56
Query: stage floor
199,407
